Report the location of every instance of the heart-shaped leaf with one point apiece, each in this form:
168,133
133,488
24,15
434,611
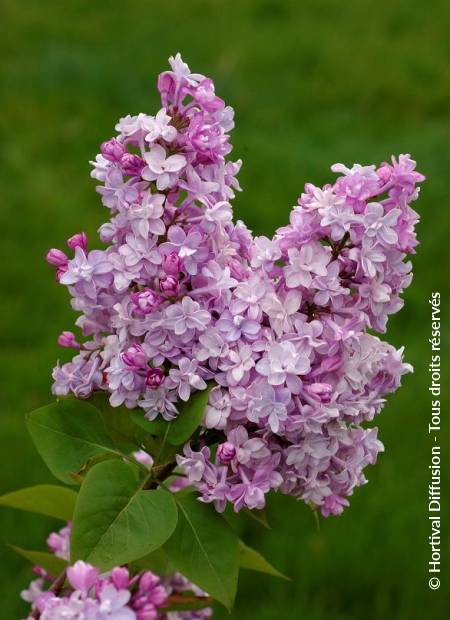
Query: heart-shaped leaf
115,520
49,562
67,434
253,560
119,423
46,499
157,427
157,561
205,549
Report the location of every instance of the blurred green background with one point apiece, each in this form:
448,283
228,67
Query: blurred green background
313,82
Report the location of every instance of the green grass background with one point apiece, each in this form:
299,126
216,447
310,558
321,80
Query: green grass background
313,82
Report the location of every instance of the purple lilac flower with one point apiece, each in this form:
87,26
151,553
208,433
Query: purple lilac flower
115,595
277,325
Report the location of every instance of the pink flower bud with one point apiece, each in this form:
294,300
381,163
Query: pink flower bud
134,357
39,571
57,258
120,577
155,378
226,452
143,457
82,576
68,340
319,391
169,285
78,241
172,264
236,269
206,96
60,272
148,612
148,581
384,172
132,165
145,302
112,150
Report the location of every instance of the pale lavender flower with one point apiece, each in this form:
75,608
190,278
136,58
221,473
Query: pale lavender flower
87,272
283,364
186,315
379,224
188,247
185,377
162,169
312,258
160,127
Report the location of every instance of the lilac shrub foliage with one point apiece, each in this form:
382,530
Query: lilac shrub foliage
283,329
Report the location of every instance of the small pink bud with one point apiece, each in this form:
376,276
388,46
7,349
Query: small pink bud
319,391
236,269
384,172
132,165
143,457
169,285
112,150
60,272
134,357
57,258
82,576
155,378
39,571
148,581
172,264
145,302
120,577
68,340
148,612
226,452
78,241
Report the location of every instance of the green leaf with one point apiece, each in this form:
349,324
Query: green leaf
259,516
157,561
49,562
189,418
119,422
237,520
156,427
178,431
205,549
115,520
46,499
67,434
253,560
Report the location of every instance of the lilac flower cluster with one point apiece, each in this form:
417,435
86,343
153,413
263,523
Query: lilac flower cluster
115,595
182,296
